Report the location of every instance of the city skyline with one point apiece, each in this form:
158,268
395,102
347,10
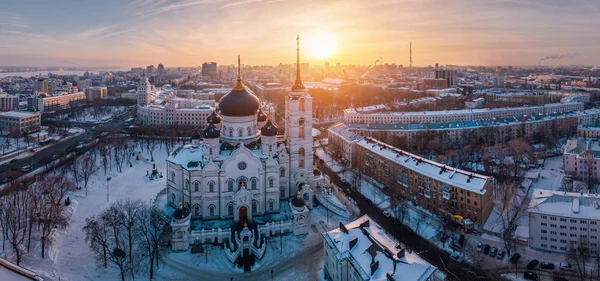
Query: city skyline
187,33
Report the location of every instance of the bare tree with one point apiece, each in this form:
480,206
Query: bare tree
578,256
52,213
87,169
511,206
150,229
131,213
16,215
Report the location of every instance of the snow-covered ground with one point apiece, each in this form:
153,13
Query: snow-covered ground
332,164
95,114
24,148
73,259
315,132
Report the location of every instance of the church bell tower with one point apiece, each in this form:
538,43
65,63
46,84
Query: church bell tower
298,130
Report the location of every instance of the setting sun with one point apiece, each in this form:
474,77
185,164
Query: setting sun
321,46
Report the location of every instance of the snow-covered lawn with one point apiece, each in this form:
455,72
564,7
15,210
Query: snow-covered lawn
73,259
95,114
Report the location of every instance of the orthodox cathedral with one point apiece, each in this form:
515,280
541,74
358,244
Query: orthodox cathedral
239,167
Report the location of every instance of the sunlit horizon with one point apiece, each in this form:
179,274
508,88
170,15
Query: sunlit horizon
190,32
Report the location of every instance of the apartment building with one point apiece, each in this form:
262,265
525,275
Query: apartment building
559,221
499,130
56,101
16,122
9,102
590,131
361,251
353,116
441,189
341,142
95,93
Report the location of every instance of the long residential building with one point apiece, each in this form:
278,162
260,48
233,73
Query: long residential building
362,251
439,188
352,116
560,221
491,131
56,101
341,142
18,122
589,131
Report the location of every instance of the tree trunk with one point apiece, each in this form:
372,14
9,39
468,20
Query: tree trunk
104,251
43,245
151,265
29,235
18,254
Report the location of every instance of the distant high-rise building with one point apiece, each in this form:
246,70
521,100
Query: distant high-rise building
161,70
95,93
84,83
40,85
9,102
209,69
449,75
326,65
144,90
149,69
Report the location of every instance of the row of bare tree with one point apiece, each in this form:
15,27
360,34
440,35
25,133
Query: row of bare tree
39,204
127,234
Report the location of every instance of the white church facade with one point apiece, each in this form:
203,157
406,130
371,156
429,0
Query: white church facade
239,167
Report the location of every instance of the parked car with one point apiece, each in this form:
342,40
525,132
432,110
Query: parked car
55,156
515,258
530,276
565,266
479,247
386,213
457,258
13,160
531,265
493,252
486,249
26,168
500,254
547,265
32,150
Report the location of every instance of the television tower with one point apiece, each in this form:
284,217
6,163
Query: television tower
410,65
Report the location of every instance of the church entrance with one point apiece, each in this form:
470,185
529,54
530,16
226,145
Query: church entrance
243,215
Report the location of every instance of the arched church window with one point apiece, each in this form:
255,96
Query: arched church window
240,132
173,199
282,172
242,181
249,131
196,186
301,104
187,184
210,151
172,176
230,185
230,209
301,128
282,192
211,210
301,158
254,207
231,132
271,182
211,186
253,183
179,234
196,210
271,204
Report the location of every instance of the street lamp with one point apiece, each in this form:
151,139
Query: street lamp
107,188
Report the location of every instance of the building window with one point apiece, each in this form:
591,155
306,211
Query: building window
240,132
231,132
282,172
282,192
211,210
242,181
249,131
544,224
253,183
254,207
196,186
271,203
196,210
230,209
242,165
301,104
301,158
230,185
187,184
271,182
301,128
211,186
173,176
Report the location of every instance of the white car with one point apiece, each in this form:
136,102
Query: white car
479,246
26,168
386,213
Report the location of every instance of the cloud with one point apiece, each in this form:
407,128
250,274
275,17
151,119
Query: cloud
12,20
244,2
145,8
101,32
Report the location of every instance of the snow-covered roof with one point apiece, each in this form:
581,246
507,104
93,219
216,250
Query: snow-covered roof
341,130
458,178
565,204
374,254
188,156
18,114
581,147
